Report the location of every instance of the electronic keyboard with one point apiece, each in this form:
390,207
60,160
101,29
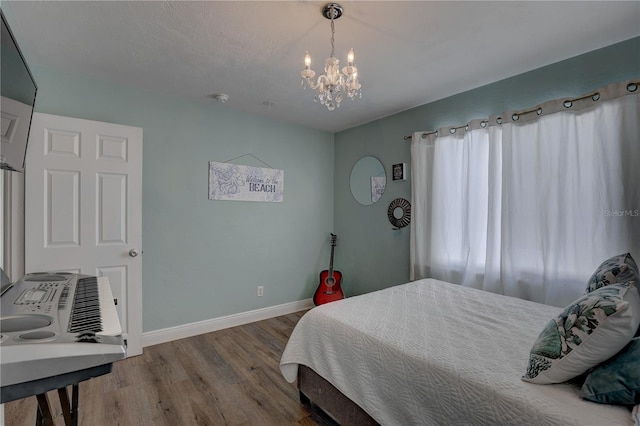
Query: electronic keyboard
56,323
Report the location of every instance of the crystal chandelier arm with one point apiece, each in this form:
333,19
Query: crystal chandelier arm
307,74
320,82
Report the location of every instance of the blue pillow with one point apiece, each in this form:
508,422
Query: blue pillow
617,380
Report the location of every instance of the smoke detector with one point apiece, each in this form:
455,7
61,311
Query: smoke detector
221,97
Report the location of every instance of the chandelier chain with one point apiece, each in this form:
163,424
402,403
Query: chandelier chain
333,33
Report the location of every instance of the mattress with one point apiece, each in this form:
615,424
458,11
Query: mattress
435,353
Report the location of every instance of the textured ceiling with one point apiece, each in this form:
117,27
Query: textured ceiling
408,53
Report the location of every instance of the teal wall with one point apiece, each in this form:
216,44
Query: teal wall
371,255
204,259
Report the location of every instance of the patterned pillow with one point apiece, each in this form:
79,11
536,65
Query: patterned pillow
618,269
617,380
590,330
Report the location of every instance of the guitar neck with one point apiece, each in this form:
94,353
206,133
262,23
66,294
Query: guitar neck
333,246
331,261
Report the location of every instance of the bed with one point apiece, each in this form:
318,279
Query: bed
432,353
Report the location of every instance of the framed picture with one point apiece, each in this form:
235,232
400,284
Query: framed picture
400,171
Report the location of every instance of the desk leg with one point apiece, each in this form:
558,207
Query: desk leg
69,411
64,404
74,404
43,418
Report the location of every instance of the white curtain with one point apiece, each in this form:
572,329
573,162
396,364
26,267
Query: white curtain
530,203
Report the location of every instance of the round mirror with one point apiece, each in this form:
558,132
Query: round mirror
368,180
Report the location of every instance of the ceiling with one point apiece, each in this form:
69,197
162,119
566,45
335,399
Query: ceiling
408,53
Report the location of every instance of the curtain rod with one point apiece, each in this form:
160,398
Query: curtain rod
425,134
568,103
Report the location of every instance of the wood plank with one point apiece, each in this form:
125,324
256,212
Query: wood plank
228,377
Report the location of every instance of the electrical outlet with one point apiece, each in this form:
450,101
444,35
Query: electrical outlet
260,291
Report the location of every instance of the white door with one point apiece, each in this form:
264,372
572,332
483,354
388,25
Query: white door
83,207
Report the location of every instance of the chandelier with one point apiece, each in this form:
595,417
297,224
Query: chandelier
331,86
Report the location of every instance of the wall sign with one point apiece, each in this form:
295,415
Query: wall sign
245,183
399,171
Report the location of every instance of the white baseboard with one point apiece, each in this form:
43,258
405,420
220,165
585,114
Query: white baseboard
164,335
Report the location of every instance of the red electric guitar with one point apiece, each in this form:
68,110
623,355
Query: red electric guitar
329,289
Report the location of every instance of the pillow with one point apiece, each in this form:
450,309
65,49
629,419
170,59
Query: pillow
590,330
617,380
618,269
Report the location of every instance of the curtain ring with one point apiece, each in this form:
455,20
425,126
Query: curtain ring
539,111
632,87
424,136
499,120
483,123
595,96
567,104
515,117
452,130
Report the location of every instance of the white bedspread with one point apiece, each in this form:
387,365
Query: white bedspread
434,353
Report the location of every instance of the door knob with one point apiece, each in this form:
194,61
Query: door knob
134,252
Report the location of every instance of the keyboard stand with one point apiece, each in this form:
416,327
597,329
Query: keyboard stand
60,382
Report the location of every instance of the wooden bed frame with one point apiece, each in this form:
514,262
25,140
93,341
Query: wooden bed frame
317,394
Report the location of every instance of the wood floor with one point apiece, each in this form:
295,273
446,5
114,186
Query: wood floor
228,377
